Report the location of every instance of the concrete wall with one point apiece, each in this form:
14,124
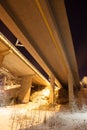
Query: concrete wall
8,97
16,95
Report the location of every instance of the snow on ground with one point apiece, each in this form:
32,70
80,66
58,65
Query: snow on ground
21,117
31,117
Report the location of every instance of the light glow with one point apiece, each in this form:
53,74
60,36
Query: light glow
46,92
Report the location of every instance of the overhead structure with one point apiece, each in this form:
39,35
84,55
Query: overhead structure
42,28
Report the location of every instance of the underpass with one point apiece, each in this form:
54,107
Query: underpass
44,32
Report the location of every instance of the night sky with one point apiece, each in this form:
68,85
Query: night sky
77,15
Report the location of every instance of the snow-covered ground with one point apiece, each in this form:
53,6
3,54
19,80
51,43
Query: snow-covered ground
21,117
33,117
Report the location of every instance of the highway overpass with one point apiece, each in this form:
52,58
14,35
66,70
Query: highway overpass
42,27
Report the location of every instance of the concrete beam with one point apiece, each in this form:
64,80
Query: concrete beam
14,26
64,35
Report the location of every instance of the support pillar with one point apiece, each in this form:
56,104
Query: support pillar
52,85
71,92
1,59
24,94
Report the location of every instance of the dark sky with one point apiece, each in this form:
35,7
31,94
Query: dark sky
77,15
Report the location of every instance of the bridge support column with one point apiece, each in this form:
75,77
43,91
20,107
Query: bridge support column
24,94
52,85
71,92
1,59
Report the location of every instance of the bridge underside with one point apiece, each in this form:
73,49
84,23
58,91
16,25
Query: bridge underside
16,74
42,28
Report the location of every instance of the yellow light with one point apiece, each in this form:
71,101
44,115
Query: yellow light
46,92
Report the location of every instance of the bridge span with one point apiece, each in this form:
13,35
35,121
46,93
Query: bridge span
42,27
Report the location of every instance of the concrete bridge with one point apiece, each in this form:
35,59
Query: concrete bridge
42,27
